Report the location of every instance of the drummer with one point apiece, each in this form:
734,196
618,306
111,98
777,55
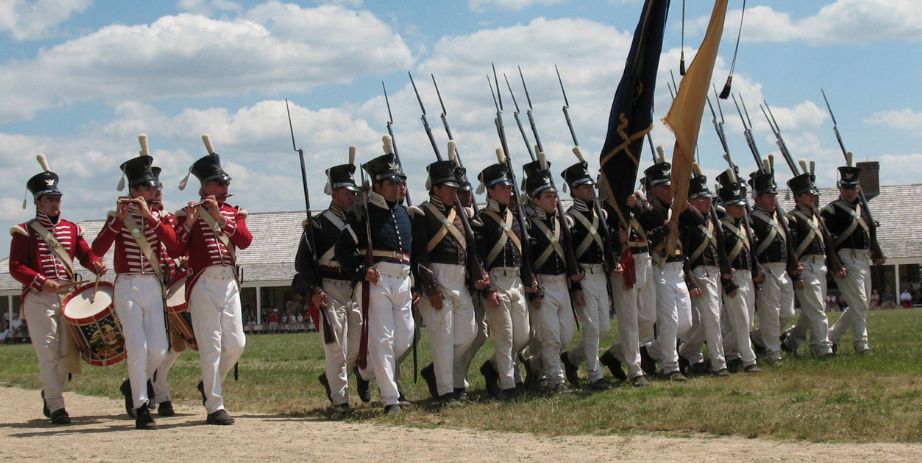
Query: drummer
41,258
139,232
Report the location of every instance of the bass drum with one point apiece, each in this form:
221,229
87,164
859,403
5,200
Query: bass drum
181,333
89,313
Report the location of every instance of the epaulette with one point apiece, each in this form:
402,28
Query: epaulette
79,230
241,212
570,222
18,229
415,210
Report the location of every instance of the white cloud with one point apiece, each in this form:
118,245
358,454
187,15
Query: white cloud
906,120
908,172
264,51
486,5
34,19
841,22
208,7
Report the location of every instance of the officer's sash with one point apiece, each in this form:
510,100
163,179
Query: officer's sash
856,221
742,241
56,247
814,231
507,234
708,232
553,238
773,231
591,236
448,226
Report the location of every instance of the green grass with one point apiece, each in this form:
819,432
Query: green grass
871,398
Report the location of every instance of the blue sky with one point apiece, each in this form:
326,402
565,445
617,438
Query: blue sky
84,77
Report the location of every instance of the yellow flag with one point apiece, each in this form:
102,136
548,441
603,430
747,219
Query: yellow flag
684,117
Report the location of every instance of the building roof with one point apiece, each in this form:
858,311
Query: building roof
270,258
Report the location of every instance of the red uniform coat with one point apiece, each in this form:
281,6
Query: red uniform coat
128,256
202,244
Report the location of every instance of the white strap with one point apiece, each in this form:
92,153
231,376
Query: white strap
553,238
56,247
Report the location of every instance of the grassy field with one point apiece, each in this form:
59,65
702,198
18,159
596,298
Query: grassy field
871,398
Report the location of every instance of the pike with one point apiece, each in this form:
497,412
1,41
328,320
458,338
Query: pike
877,253
762,167
414,310
502,157
834,263
328,336
452,154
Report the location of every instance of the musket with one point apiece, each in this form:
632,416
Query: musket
877,253
792,264
528,274
755,268
573,267
613,256
328,335
465,222
834,263
362,357
414,310
444,117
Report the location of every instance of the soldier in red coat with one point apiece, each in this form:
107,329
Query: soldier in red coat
138,231
42,252
211,232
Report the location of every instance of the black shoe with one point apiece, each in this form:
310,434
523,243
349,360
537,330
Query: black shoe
201,390
428,374
647,364
835,348
698,369
144,420
151,399
683,365
676,376
784,346
326,386
532,378
392,409
361,385
166,409
640,381
614,366
756,347
60,416
491,378
570,370
722,373
45,410
401,399
220,418
461,395
600,384
129,402
448,400
734,365
752,369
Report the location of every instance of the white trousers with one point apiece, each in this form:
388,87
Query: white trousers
451,329
635,309
51,341
812,300
595,319
737,319
509,324
855,287
554,325
345,317
139,304
214,303
390,326
673,314
466,357
646,296
705,320
774,307
161,377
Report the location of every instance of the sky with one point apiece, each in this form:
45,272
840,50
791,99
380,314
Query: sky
83,78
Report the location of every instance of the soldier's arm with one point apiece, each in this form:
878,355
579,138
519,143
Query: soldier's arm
85,254
419,258
183,234
236,229
345,248
20,251
106,236
309,280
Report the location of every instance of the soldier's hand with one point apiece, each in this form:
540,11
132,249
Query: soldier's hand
535,302
493,299
484,283
631,201
617,269
880,261
142,207
211,205
121,210
842,273
99,267
733,293
191,214
415,300
51,286
577,277
579,299
319,299
799,284
694,292
436,300
372,275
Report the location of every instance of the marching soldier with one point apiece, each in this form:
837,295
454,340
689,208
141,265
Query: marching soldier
174,270
739,305
591,251
775,297
848,223
211,232
138,232
812,254
384,235
698,232
499,246
331,289
42,252
551,310
673,281
443,264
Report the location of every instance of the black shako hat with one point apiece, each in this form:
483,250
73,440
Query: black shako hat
803,183
384,167
139,172
538,178
462,178
341,176
494,174
208,168
577,174
443,173
848,176
659,173
698,187
763,182
43,183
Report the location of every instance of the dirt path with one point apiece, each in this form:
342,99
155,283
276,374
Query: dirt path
102,432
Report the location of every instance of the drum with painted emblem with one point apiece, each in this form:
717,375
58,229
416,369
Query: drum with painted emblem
89,312
181,333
